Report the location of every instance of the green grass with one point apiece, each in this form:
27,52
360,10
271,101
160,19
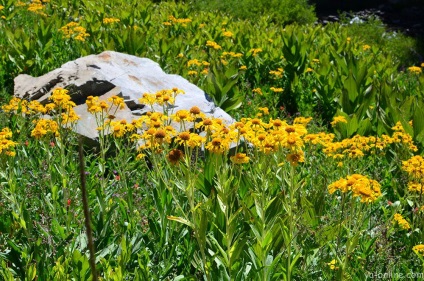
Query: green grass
406,50
267,214
280,12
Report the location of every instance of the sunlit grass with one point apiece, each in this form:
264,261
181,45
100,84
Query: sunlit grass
320,177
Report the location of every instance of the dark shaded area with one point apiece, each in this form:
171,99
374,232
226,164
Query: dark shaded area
405,16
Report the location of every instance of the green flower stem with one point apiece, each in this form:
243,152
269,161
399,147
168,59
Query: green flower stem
291,219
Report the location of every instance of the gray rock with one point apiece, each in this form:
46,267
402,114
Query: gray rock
112,73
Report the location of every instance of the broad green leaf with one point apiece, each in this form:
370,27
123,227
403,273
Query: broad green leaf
181,220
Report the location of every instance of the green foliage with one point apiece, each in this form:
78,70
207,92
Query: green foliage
404,50
281,12
208,218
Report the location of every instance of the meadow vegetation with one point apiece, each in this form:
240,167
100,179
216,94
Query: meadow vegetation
320,178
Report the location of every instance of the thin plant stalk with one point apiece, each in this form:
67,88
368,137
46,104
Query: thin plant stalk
87,212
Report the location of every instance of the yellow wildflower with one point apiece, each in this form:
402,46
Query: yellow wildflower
149,99
110,20
277,73
182,115
295,158
69,116
338,119
44,127
415,187
366,47
332,265
7,145
175,156
265,110
74,29
218,145
258,91
302,120
36,7
36,107
16,105
419,249
414,167
403,223
277,90
213,44
118,101
368,190
240,158
255,51
120,128
227,34
61,98
415,70
194,62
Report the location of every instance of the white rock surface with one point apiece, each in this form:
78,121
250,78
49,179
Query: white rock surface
112,73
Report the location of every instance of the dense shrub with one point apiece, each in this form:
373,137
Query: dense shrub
283,12
405,50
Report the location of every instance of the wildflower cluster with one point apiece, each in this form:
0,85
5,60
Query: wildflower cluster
120,128
196,66
163,97
214,135
240,158
20,106
276,90
61,107
74,30
255,51
403,223
366,47
415,169
401,136
110,20
6,144
419,249
213,45
227,33
62,104
319,138
173,20
95,105
358,146
257,91
338,119
360,186
45,127
37,7
415,70
104,112
231,54
16,105
332,265
277,74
